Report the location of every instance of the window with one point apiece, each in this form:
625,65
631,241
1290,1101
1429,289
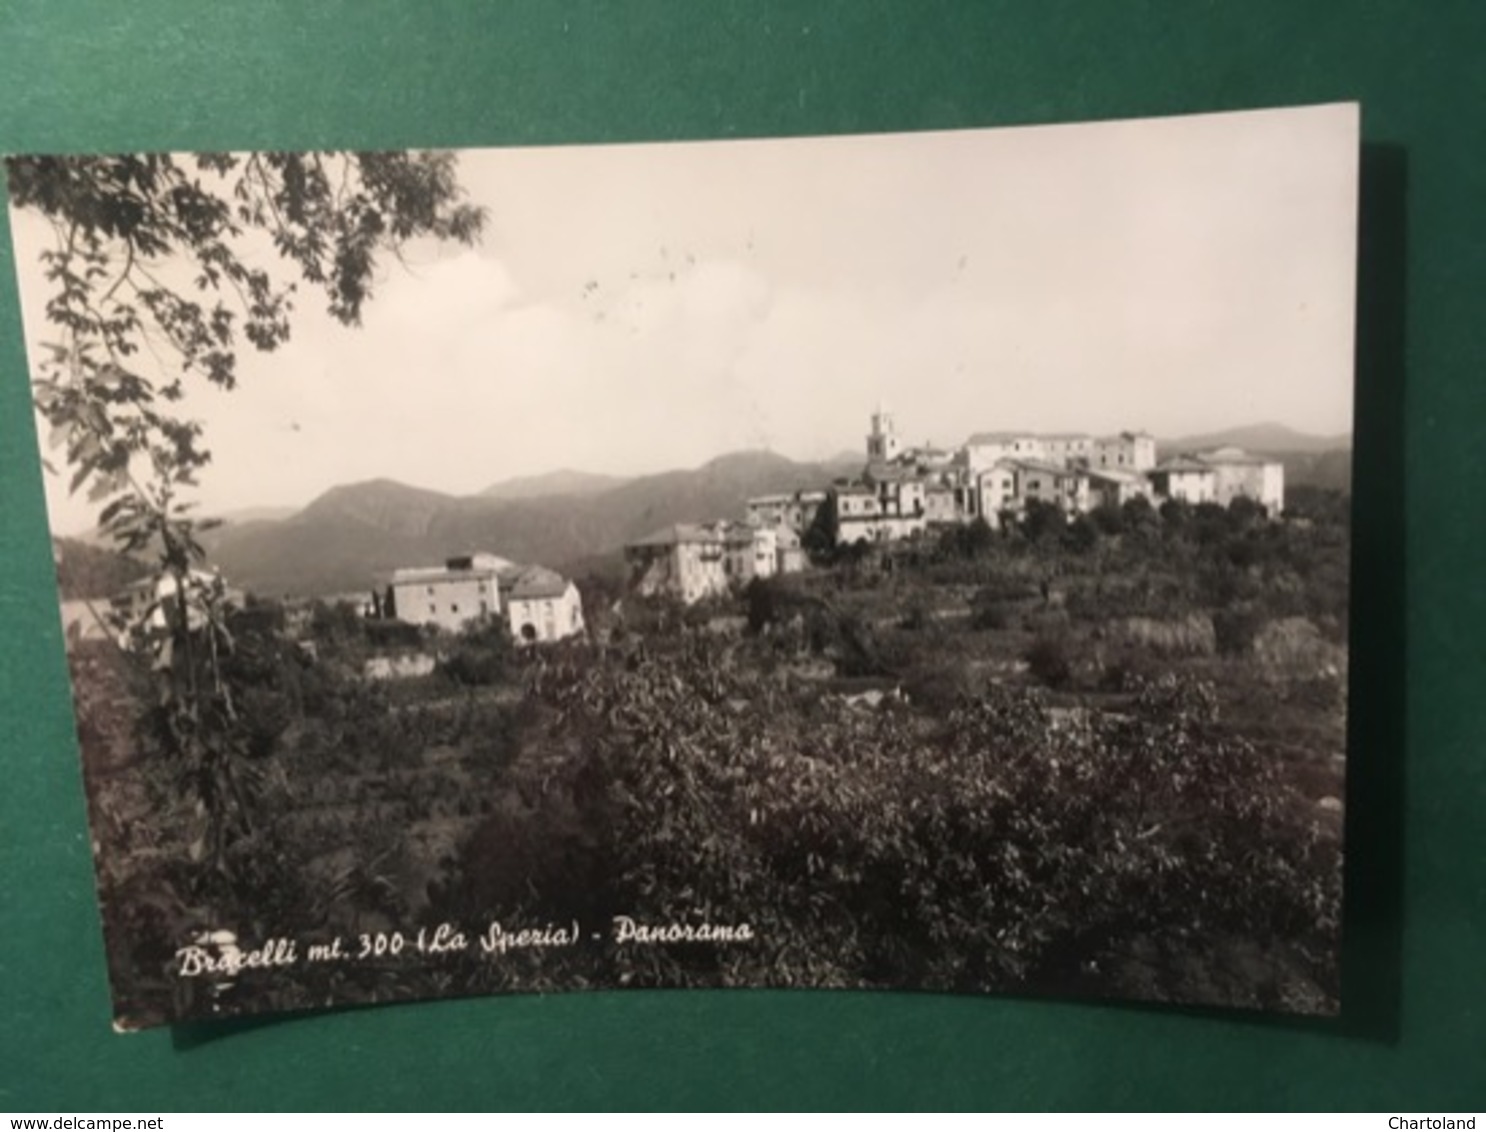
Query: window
430,591
432,609
453,607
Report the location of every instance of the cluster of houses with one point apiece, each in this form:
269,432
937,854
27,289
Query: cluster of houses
691,561
996,476
538,605
904,491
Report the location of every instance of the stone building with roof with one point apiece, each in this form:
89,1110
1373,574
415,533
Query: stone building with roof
1065,486
538,604
684,561
541,605
465,589
1238,474
692,561
1125,451
1184,479
1114,487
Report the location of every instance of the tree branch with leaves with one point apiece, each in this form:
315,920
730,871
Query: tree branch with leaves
156,281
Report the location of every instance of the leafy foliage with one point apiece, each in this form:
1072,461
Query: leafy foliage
156,259
992,847
156,275
480,657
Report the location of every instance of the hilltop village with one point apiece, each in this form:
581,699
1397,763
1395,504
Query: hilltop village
903,492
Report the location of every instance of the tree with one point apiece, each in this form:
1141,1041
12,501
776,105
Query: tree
1043,520
967,540
1081,535
155,280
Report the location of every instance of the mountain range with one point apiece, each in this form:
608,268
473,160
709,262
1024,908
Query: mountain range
1266,438
346,538
351,534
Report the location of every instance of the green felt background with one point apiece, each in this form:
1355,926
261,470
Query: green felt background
171,74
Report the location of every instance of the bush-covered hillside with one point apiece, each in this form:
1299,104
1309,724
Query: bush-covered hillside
1101,757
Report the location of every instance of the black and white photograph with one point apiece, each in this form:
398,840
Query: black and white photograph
903,562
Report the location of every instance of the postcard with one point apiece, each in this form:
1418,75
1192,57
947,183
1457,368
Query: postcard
896,562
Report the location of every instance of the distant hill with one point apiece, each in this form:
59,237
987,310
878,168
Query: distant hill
252,514
87,570
1263,438
562,482
845,463
347,537
1331,470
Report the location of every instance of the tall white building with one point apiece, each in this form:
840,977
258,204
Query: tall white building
464,589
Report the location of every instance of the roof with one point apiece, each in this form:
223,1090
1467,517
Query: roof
538,582
678,533
1005,464
999,437
1049,469
1115,475
891,473
1232,456
732,531
405,575
479,560
1183,464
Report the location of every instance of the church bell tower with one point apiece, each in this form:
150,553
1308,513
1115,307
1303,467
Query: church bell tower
883,444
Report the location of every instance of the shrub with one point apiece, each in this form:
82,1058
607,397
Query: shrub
763,599
1184,636
480,657
1082,536
1042,520
993,615
967,540
1138,513
1294,647
917,617
1048,661
1234,630
1246,512
392,634
1110,519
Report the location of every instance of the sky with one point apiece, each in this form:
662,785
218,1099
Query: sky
639,308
